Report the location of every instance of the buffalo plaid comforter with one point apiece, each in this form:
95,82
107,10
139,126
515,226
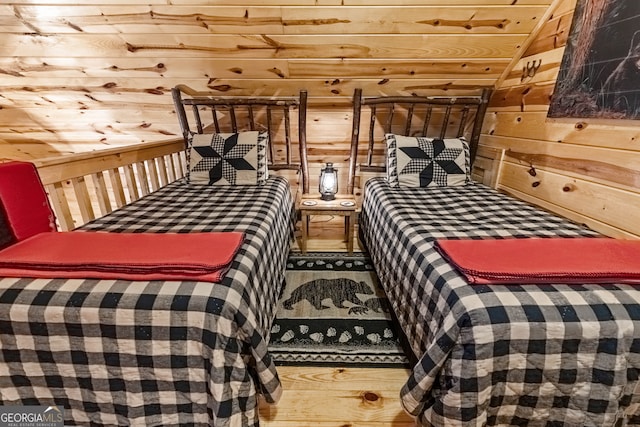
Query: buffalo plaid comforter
116,352
535,355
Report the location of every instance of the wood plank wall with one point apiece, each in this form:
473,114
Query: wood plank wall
584,169
80,76
83,76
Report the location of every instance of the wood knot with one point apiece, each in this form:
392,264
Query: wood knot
535,184
370,396
221,88
581,125
532,171
568,187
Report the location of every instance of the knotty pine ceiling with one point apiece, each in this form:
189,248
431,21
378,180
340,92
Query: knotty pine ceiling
80,76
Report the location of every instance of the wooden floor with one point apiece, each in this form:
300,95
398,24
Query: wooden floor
336,397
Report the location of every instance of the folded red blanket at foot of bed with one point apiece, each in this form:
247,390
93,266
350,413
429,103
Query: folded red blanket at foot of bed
542,260
132,256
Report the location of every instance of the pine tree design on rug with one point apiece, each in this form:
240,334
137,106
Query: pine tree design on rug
333,311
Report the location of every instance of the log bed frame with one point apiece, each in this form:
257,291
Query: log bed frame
235,114
450,117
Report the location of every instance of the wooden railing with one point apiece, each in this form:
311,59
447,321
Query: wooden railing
81,185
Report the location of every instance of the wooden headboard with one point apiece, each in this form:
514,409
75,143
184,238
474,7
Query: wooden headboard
441,117
208,114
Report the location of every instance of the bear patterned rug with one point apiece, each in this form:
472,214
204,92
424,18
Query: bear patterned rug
333,312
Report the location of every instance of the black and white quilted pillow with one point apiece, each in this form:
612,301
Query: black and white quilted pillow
427,162
228,158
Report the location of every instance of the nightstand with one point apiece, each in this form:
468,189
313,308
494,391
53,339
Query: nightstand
343,205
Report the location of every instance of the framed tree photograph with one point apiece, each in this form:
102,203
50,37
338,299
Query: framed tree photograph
600,72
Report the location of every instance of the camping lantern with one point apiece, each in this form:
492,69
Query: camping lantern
328,182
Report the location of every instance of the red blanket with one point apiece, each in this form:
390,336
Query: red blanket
538,260
132,256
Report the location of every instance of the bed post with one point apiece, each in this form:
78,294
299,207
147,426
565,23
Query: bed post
355,131
302,141
182,116
477,125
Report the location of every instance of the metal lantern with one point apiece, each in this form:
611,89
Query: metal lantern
328,182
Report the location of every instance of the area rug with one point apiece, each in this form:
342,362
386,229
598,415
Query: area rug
333,312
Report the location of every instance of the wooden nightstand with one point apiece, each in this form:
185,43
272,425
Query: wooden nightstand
344,205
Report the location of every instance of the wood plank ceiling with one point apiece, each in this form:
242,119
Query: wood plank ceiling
79,76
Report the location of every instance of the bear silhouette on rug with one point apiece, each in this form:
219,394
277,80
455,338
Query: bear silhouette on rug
379,305
338,290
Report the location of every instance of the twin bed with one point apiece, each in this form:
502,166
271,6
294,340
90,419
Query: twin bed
487,354
165,352
514,354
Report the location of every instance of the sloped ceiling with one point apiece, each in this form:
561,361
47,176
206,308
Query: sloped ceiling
79,76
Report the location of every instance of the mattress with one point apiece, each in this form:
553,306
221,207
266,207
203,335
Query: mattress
118,352
519,354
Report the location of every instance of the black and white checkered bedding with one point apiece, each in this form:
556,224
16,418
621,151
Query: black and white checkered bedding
535,355
116,352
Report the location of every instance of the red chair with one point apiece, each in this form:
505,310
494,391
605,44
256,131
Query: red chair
23,202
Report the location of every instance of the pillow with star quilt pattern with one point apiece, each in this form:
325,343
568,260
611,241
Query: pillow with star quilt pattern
427,162
228,158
